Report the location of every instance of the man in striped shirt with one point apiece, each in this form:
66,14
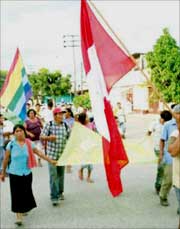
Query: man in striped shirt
56,133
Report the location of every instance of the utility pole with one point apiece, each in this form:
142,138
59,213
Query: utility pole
81,78
72,41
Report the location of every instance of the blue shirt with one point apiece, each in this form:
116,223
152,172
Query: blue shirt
168,128
18,158
69,122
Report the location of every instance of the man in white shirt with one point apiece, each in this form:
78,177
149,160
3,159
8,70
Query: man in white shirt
47,114
120,114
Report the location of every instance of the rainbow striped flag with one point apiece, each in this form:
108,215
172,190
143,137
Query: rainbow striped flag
16,89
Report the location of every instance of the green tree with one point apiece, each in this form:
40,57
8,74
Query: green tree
48,83
3,74
82,100
35,82
164,64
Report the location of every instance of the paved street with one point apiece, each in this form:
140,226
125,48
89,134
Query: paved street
91,205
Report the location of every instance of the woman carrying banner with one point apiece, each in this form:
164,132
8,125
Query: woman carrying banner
19,158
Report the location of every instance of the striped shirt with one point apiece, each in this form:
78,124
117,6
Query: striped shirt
55,148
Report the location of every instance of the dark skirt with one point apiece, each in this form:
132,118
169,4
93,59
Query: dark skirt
22,199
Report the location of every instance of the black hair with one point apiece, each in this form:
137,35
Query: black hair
166,115
82,118
20,126
173,105
70,111
50,103
30,111
91,119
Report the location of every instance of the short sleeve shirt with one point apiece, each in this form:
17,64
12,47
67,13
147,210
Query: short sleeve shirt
55,148
69,122
167,129
47,115
18,158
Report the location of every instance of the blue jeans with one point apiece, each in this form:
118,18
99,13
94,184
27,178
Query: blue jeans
177,190
122,128
56,175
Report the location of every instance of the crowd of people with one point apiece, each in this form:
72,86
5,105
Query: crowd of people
166,131
45,134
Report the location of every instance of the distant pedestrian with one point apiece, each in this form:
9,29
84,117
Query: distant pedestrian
5,134
47,114
38,111
28,106
166,159
83,119
19,160
69,117
155,129
33,127
69,120
119,112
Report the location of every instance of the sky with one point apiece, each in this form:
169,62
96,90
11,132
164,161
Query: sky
37,28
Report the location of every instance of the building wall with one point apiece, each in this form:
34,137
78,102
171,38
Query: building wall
140,98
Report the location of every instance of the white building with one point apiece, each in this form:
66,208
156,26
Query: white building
132,90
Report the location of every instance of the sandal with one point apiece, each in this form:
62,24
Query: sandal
18,222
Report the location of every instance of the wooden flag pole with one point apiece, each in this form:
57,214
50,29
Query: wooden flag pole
133,59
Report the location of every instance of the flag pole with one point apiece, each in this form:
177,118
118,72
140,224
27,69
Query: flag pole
132,58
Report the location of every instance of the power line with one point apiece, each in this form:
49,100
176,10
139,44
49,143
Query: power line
72,41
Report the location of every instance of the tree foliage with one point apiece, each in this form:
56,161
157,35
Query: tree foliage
46,83
82,100
164,64
3,74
